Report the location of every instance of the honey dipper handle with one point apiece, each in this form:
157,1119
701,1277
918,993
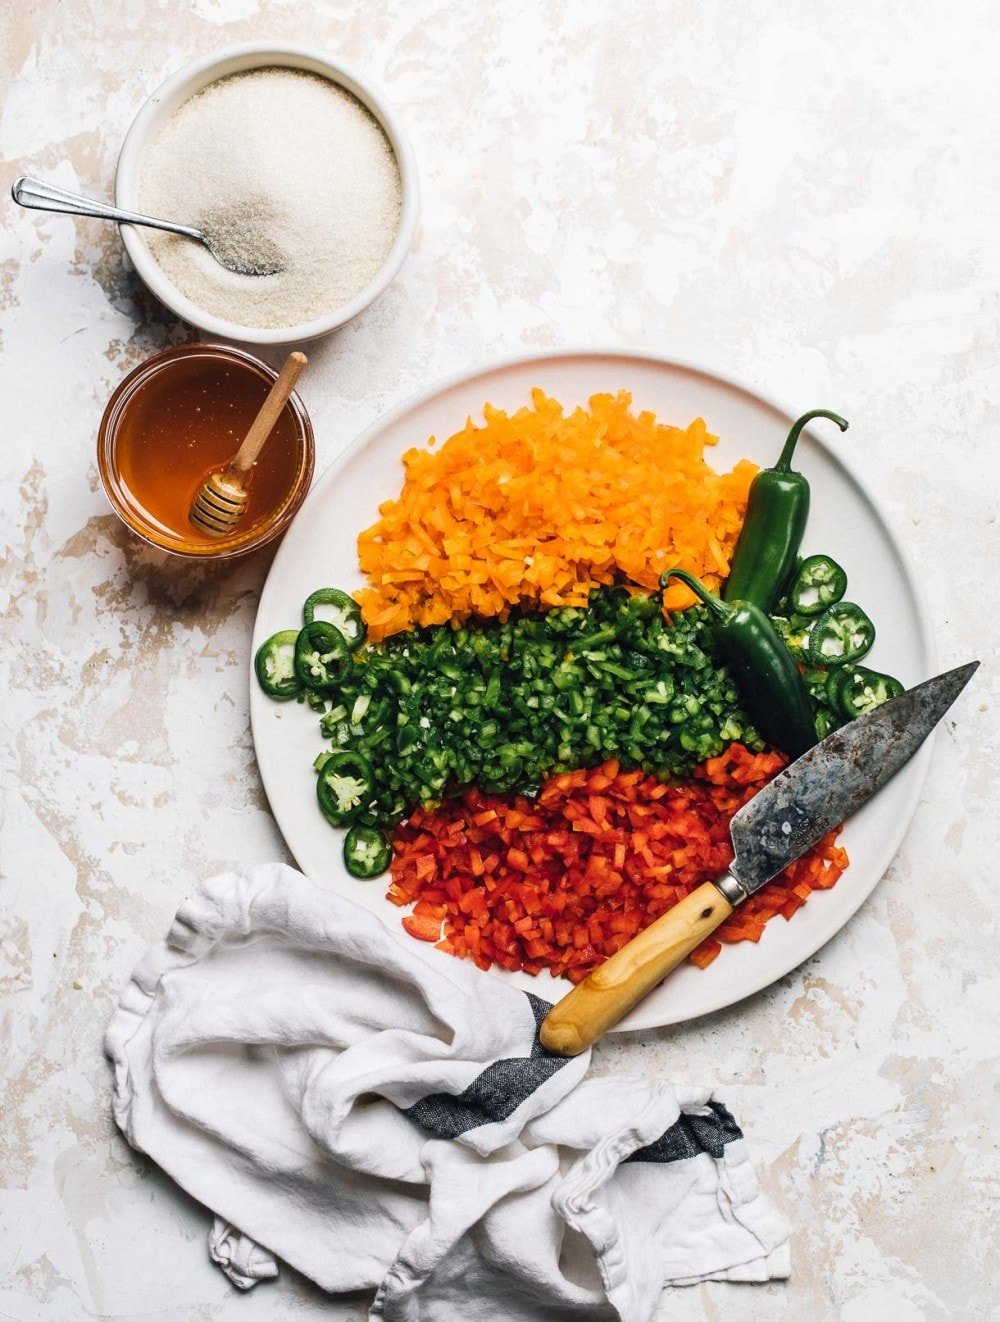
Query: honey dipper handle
270,412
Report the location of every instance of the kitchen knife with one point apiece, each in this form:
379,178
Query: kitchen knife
811,796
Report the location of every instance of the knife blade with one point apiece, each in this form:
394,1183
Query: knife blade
815,793
832,780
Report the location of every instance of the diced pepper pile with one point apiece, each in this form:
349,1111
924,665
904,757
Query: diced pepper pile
540,507
501,705
562,881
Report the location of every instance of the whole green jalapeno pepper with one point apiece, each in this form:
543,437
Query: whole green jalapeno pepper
770,685
769,541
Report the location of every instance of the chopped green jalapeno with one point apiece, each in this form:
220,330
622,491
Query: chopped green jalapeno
795,630
339,610
819,582
505,703
842,633
345,787
826,723
862,690
320,653
367,853
815,681
275,666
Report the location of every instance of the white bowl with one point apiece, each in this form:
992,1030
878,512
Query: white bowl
180,88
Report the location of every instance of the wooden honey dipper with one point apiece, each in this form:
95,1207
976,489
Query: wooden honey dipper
219,505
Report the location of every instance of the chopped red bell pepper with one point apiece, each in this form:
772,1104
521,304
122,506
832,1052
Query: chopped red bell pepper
563,881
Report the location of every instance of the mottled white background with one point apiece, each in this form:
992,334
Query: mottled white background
806,195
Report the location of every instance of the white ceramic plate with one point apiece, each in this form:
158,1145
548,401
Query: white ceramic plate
845,521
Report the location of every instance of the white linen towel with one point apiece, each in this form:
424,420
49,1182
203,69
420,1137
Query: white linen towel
379,1114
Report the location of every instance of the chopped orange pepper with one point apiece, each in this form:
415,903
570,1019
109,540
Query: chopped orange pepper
541,506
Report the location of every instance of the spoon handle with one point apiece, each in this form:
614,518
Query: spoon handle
40,196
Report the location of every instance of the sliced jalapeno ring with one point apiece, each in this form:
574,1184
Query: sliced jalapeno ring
320,654
345,786
339,610
275,666
862,690
367,853
842,633
834,683
819,582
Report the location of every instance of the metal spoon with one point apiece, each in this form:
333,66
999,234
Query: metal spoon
39,196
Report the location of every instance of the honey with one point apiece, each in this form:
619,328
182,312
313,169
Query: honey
182,416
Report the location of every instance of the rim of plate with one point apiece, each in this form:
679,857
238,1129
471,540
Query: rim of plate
921,759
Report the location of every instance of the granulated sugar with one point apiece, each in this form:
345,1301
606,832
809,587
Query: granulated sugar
283,168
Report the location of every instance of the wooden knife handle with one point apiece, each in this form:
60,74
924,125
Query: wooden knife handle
607,995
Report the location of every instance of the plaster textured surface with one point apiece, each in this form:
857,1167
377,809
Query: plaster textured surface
808,197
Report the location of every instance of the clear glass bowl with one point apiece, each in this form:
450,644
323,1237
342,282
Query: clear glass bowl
140,520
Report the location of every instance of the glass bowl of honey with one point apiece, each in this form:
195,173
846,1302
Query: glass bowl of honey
182,415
